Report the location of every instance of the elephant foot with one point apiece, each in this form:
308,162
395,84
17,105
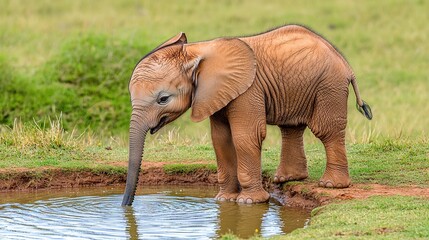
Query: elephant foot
282,176
254,196
333,184
226,196
335,179
286,178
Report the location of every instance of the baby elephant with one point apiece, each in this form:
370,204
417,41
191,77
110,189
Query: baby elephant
290,77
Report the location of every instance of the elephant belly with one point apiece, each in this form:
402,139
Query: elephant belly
290,103
299,114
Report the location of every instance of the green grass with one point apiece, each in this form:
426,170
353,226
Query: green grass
188,168
85,82
393,217
49,145
65,57
34,147
391,162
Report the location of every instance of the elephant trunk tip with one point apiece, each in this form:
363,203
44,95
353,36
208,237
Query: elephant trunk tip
127,200
130,191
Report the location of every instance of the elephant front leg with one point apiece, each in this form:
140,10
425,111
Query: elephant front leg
248,147
226,159
293,164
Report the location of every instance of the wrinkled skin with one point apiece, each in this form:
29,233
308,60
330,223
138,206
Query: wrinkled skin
289,77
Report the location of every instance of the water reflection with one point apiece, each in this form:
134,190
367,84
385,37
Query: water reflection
131,228
170,213
292,218
243,220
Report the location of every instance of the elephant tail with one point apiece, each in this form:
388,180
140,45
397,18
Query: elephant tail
361,105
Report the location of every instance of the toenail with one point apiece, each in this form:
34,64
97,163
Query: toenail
249,201
329,185
241,200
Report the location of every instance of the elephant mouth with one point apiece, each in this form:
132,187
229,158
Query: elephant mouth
161,123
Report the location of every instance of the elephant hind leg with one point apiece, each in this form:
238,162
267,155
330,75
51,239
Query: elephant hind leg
336,174
293,164
328,123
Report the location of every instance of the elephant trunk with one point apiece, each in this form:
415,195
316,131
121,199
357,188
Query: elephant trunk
138,130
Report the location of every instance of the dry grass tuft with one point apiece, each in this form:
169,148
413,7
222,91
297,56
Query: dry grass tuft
44,135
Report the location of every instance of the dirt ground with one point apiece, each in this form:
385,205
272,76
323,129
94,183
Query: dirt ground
306,194
309,195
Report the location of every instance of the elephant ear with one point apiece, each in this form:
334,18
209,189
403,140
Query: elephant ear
222,70
178,39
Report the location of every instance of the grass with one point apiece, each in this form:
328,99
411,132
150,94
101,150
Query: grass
82,59
37,147
188,168
375,218
86,82
394,217
391,162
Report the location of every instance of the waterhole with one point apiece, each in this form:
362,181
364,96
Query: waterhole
170,212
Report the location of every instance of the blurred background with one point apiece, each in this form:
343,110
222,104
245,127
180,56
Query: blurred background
71,61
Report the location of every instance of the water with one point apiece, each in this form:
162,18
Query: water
157,213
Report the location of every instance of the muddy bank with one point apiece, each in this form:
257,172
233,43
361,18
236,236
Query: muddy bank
305,194
27,179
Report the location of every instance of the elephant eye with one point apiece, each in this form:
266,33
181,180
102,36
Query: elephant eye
163,100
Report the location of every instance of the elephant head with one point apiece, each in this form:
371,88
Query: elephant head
177,75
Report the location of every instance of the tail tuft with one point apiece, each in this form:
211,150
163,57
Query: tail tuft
365,109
